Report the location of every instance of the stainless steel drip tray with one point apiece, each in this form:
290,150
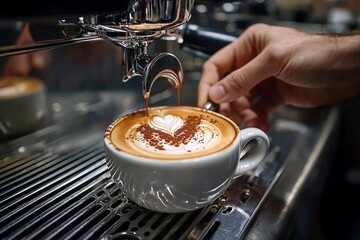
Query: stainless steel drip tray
54,183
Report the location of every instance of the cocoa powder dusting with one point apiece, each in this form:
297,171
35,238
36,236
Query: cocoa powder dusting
183,135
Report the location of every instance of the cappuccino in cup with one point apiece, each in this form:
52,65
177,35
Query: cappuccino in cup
22,104
179,158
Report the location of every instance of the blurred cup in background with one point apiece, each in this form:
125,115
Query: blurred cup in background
22,104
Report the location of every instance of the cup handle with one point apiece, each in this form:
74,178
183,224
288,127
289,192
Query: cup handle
251,154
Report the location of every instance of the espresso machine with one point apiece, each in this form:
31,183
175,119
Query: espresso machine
131,25
54,182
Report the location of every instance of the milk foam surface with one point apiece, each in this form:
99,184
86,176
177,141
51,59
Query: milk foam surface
205,136
168,123
12,86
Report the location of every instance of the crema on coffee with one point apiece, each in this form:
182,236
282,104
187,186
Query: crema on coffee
13,86
172,132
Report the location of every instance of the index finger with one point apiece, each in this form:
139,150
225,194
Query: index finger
213,70
227,59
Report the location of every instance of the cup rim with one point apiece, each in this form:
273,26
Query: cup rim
163,162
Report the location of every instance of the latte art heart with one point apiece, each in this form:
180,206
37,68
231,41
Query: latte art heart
168,123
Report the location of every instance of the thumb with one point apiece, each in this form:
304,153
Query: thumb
241,81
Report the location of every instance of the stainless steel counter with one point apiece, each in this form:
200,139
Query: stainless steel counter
54,182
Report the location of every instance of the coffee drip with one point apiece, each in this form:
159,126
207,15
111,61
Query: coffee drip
176,82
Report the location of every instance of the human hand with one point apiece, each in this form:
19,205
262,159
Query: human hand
269,66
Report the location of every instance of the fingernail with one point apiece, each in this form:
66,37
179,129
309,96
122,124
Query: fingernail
217,92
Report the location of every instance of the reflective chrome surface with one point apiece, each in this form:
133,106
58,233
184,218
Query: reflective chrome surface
137,64
141,22
132,28
131,24
211,106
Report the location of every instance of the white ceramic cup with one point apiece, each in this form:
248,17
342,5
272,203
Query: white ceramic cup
187,184
22,104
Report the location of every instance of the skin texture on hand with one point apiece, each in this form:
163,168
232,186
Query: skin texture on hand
270,66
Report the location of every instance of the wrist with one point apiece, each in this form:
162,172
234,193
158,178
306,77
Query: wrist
344,59
347,52
348,58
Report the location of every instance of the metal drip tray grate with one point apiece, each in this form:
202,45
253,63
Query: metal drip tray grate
70,195
59,187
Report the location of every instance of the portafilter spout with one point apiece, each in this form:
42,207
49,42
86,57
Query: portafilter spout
162,65
137,64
